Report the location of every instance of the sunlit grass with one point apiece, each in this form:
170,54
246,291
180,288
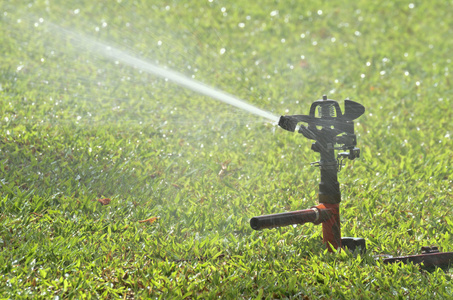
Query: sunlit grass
76,127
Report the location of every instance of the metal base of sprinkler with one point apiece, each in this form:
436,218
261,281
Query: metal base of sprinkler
354,244
429,258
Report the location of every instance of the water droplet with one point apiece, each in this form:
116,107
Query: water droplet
319,12
411,5
241,25
222,51
159,43
382,72
274,13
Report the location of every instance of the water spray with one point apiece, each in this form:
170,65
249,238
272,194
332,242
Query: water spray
333,131
162,72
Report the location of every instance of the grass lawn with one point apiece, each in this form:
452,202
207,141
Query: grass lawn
185,173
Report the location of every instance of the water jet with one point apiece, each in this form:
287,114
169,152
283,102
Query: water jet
173,76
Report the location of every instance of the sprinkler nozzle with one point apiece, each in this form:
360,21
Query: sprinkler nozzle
287,123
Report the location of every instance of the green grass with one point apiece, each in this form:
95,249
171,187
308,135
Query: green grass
76,127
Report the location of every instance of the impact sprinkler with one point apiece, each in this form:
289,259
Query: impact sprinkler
331,130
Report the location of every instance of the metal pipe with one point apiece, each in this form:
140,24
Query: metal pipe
313,215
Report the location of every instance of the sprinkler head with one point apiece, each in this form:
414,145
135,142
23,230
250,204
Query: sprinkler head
326,121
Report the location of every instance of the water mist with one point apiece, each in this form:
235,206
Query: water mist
178,78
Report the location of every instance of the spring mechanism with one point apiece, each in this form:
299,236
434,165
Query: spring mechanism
326,111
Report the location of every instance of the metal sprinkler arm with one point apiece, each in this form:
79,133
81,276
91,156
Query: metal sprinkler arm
325,124
316,214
